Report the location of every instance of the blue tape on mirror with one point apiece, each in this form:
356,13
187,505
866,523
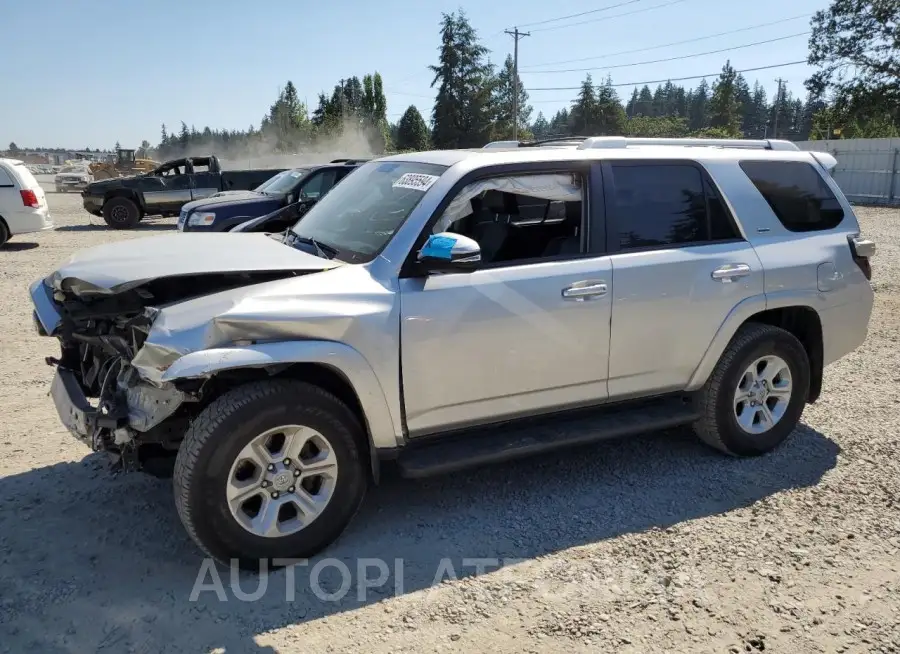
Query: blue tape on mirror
438,247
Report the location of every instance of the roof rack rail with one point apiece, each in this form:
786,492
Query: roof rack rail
746,144
555,140
348,161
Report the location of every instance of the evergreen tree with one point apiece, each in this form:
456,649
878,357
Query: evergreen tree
584,108
464,79
644,105
412,133
745,103
724,109
561,124
541,128
184,136
697,112
502,100
609,116
631,107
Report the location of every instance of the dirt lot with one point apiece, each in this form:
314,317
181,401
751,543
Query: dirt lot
651,544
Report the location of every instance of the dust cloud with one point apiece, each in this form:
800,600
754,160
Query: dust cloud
353,142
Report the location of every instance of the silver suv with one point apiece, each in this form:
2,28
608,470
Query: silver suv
454,308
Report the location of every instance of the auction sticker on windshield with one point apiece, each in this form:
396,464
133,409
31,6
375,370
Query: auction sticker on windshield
416,181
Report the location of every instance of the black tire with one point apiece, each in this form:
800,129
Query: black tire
121,213
59,189
217,436
718,426
4,233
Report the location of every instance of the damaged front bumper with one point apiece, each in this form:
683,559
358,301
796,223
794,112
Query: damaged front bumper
75,412
136,415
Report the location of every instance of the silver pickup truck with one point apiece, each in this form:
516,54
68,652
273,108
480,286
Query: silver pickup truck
455,308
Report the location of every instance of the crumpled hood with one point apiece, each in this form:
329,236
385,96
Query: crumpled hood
230,198
120,266
338,305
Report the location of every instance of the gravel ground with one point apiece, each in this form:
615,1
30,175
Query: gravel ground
648,544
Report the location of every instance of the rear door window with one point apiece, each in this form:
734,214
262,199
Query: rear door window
5,180
667,205
797,194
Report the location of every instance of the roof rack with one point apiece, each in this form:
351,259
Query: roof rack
348,161
612,142
556,140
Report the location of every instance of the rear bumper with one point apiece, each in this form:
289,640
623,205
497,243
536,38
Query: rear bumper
28,222
845,327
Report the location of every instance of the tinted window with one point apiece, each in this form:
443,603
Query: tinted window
283,182
5,179
318,184
665,204
797,194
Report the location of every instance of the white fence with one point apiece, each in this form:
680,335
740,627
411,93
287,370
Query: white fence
867,169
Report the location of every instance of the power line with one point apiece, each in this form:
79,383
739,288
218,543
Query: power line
662,81
659,61
583,13
668,45
598,20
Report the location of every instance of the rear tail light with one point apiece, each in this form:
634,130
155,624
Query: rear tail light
862,249
30,199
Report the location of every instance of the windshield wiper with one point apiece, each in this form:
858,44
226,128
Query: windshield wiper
322,249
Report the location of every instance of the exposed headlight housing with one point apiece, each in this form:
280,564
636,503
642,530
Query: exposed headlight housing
201,218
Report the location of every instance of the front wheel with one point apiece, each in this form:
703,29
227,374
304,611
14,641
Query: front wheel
121,213
270,470
755,396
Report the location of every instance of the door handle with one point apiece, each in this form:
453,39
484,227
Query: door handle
728,273
581,291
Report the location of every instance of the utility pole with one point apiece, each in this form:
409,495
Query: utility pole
777,107
516,34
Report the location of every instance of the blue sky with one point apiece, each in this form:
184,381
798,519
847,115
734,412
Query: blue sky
90,72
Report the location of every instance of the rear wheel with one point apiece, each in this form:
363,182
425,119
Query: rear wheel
757,392
270,470
4,233
121,213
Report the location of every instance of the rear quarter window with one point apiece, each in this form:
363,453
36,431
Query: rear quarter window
5,179
797,194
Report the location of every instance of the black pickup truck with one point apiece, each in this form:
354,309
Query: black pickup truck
298,187
124,201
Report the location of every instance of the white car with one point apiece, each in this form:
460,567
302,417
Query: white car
72,178
23,206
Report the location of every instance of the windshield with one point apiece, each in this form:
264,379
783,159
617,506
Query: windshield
359,216
71,169
283,182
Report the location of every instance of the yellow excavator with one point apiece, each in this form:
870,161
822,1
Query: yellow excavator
125,164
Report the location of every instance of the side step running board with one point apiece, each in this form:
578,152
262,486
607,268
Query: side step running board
443,454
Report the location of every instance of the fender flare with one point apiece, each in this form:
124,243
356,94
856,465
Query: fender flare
742,311
127,193
382,430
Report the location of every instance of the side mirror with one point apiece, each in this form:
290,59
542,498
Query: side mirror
447,252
